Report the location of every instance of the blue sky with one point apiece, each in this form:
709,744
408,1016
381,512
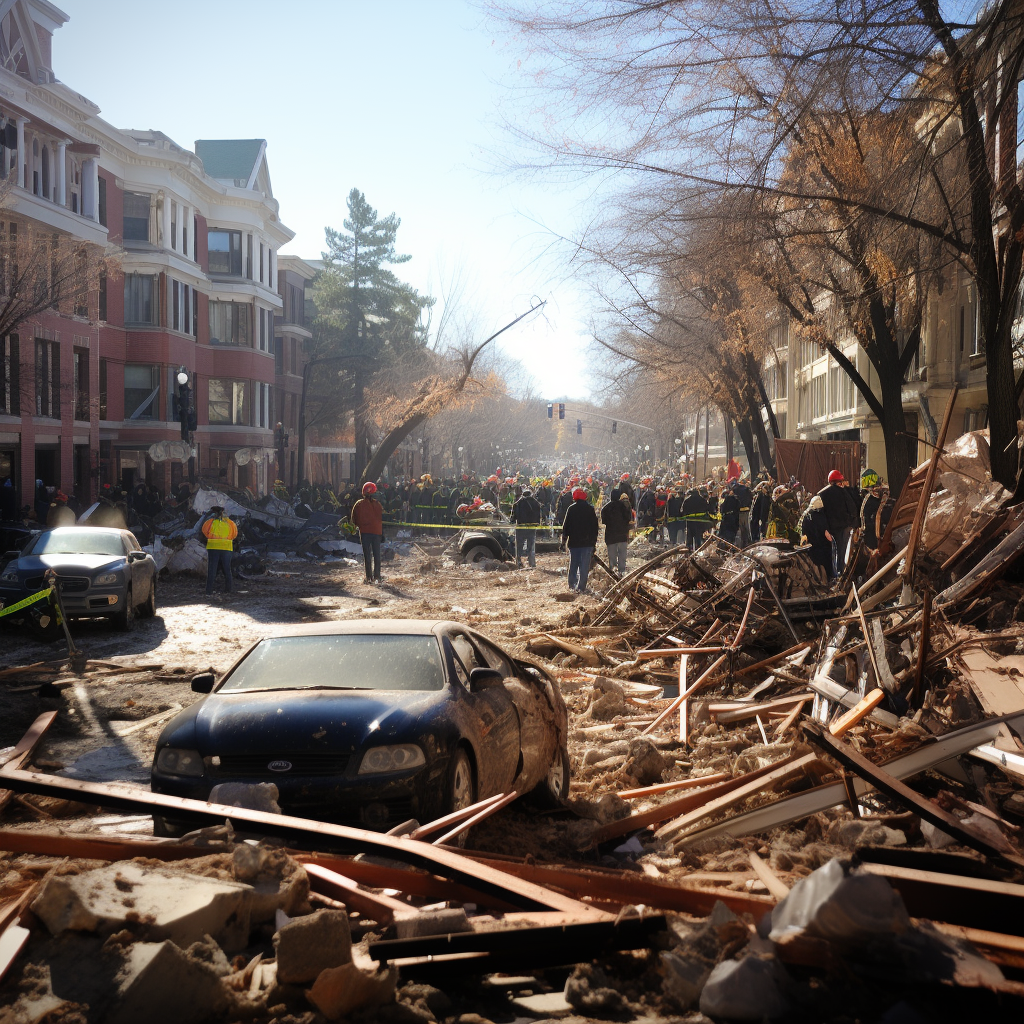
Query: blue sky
398,99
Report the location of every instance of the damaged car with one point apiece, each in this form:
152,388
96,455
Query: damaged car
370,723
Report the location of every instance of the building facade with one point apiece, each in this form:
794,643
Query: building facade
91,396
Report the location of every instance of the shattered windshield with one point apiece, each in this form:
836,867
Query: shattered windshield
357,661
78,542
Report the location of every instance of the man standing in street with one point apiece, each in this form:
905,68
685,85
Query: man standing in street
842,510
526,514
696,513
743,496
617,517
220,533
368,515
579,534
729,511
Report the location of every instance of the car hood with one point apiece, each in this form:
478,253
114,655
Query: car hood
282,720
87,563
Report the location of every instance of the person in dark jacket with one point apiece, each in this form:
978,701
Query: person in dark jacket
744,497
696,513
625,487
729,509
564,501
368,516
617,517
814,530
872,490
674,517
579,534
842,510
759,512
646,508
526,514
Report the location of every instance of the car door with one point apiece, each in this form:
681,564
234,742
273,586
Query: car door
491,719
138,569
538,727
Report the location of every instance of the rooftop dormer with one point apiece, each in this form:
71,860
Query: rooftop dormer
26,33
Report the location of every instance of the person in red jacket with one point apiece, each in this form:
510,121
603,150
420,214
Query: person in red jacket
368,515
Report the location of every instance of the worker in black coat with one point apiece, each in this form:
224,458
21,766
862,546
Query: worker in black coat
871,487
729,509
842,510
814,530
696,514
579,534
526,515
759,509
743,495
617,517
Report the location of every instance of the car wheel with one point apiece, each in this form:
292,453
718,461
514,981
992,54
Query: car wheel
148,609
125,618
477,553
461,787
554,790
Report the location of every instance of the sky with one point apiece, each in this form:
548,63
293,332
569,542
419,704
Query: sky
398,99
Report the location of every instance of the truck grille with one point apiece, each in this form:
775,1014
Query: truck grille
67,584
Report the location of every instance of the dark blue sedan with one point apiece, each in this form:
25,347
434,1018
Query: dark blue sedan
371,723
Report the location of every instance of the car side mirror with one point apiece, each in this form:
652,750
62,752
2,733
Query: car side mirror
484,679
136,556
203,683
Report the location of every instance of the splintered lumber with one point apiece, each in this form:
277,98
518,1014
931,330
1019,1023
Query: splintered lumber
316,835
821,798
627,888
382,909
772,882
877,578
790,720
998,683
760,785
738,712
24,749
689,691
833,691
12,941
957,899
773,660
682,804
668,787
891,786
990,568
480,815
519,948
864,707
438,824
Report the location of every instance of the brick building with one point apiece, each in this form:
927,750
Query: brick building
88,398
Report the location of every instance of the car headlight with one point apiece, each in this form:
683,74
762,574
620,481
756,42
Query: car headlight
179,762
107,578
9,577
396,758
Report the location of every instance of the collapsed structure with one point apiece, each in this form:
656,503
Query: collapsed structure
790,798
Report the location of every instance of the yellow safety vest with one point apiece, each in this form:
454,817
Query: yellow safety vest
219,534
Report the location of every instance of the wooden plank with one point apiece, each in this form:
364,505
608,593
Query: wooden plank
480,815
319,835
998,683
12,941
24,749
759,785
864,707
734,713
382,909
669,809
438,824
891,786
773,883
686,694
981,937
790,720
668,787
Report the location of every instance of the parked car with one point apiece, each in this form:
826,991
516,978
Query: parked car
370,723
100,572
498,542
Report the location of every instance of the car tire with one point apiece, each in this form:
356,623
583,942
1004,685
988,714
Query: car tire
554,790
477,553
148,609
124,620
461,788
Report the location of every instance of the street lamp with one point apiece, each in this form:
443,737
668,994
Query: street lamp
281,440
186,417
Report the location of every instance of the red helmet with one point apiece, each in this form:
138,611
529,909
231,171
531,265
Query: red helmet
835,477
369,487
579,494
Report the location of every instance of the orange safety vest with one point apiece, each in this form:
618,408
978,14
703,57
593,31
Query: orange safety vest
219,534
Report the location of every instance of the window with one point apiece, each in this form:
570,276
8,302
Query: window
184,236
141,387
103,295
81,304
976,342
182,299
103,390
225,249
229,323
9,376
818,406
261,263
263,413
174,226
81,383
136,216
103,201
248,256
279,355
140,305
47,378
228,401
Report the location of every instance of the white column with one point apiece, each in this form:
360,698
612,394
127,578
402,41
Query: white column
94,188
272,259
165,222
21,150
62,189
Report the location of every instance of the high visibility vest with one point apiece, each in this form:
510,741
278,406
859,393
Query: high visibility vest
219,534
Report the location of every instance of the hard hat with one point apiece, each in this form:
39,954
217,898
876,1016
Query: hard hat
579,494
816,503
835,477
869,478
369,487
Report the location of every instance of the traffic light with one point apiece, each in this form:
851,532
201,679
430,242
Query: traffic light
551,410
561,410
615,427
579,426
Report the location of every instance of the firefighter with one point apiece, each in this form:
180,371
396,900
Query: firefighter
368,516
220,533
674,518
696,515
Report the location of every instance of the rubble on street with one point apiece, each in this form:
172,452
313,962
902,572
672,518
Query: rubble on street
790,800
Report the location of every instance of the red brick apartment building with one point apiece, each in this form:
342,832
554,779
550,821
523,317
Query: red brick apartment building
87,399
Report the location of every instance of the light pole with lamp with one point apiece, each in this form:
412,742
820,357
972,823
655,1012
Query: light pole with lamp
187,419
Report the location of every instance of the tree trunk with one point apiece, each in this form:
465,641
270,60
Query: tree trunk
747,437
893,421
388,447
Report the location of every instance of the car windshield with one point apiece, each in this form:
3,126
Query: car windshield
358,661
78,542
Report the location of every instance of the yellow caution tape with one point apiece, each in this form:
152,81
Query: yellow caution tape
25,602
